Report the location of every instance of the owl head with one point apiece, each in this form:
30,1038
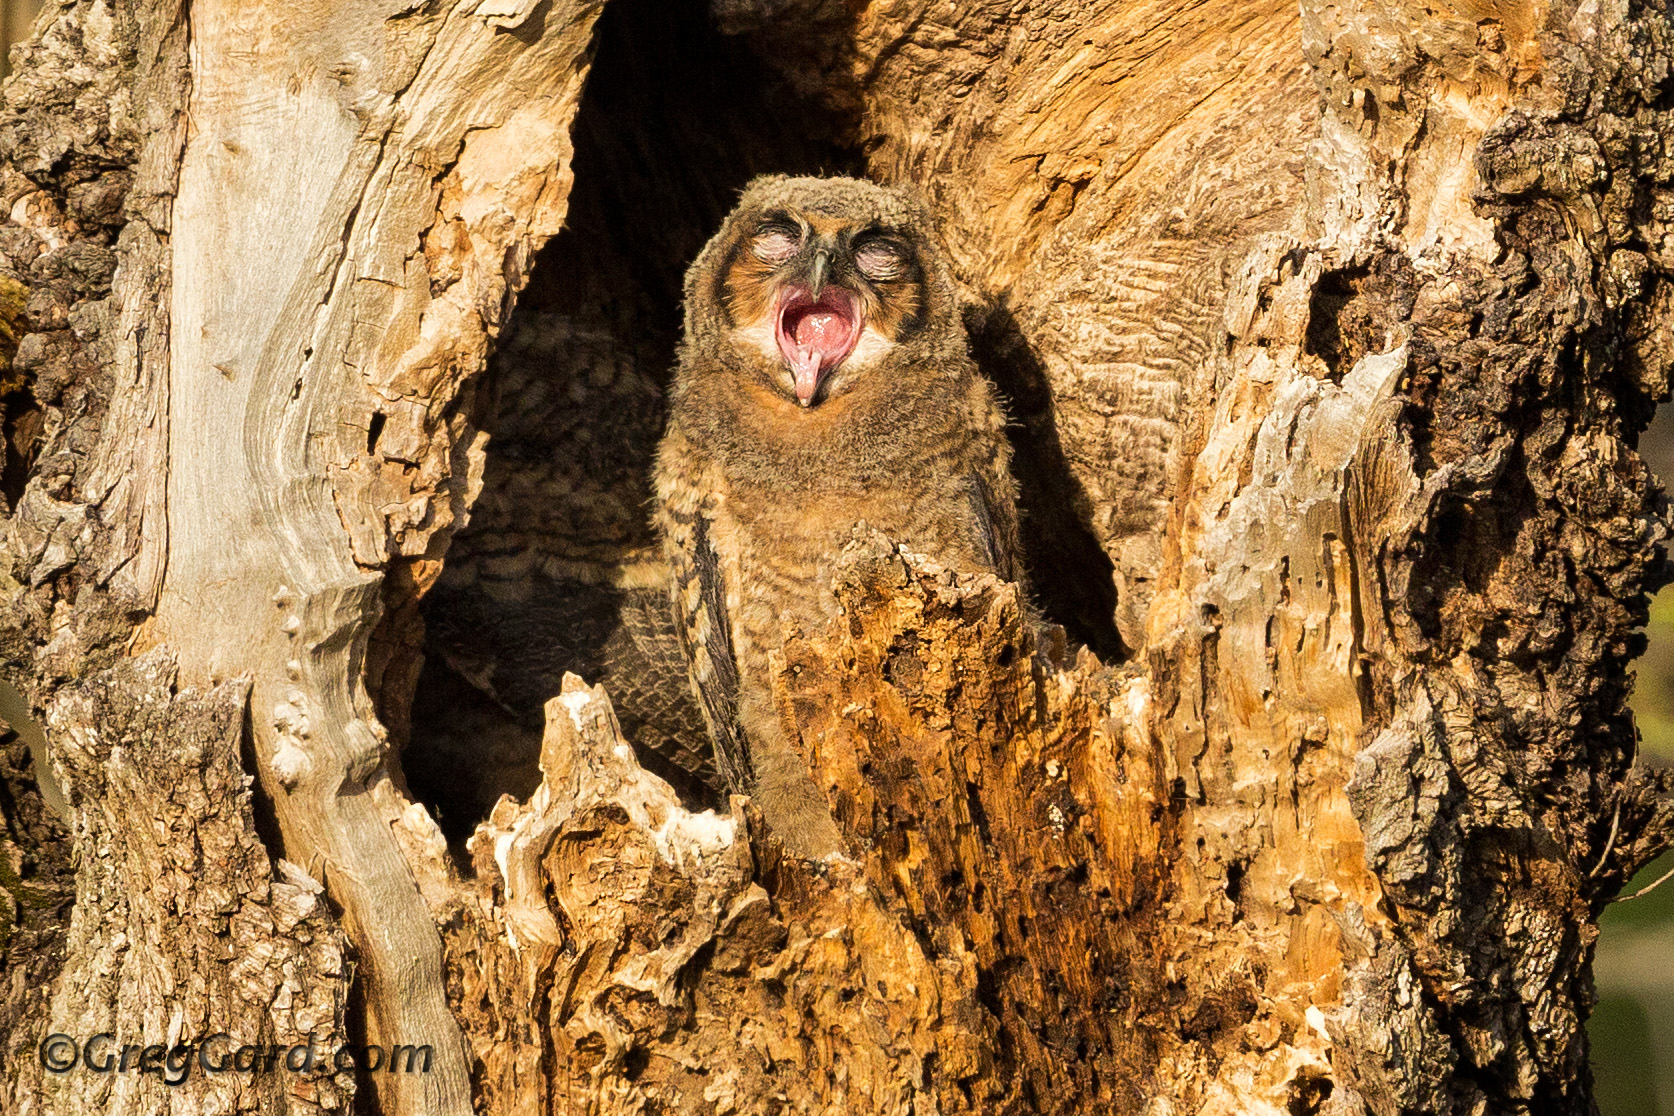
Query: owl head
812,284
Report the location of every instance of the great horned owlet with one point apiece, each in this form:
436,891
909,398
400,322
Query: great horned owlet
823,380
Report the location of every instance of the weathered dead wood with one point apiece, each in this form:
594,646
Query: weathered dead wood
305,282
185,927
1008,928
678,960
1005,810
351,219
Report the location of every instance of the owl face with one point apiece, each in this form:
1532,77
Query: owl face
822,295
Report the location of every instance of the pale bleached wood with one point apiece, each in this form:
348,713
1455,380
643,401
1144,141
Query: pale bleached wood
355,199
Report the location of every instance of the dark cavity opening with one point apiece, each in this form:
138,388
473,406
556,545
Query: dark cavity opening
374,431
1071,576
555,571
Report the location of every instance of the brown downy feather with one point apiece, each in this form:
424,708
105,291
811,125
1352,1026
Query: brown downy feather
757,494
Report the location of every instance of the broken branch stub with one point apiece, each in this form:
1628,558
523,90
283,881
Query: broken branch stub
1004,830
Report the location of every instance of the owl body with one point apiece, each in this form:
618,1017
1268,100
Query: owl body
783,435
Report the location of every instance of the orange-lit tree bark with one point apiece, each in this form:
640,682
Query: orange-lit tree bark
1328,331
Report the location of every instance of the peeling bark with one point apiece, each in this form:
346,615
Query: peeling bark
215,937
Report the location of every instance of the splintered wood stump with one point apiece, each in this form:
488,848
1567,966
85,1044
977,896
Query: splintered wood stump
981,949
1000,811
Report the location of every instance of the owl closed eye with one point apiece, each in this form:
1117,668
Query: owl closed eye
879,260
776,241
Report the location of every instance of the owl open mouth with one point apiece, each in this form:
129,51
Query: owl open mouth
816,335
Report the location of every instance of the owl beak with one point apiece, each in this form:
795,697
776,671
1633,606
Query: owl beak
818,271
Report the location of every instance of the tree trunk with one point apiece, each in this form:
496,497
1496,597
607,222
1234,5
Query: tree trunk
1328,334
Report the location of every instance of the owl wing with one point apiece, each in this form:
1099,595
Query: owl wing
996,525
646,664
516,653
700,620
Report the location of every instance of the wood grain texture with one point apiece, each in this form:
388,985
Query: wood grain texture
351,219
308,277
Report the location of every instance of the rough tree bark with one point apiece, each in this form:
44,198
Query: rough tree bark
1329,331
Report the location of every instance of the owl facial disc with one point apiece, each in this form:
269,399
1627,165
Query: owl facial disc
815,334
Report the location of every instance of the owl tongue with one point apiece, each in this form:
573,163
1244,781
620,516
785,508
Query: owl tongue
815,337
